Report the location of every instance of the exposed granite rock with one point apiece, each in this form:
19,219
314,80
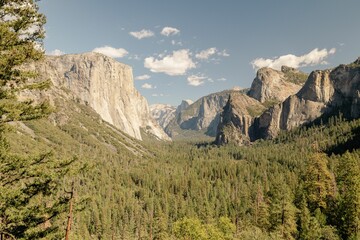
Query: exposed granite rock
183,106
324,92
271,85
163,113
201,116
237,118
106,86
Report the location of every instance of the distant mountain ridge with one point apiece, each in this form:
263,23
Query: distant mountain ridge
202,117
198,119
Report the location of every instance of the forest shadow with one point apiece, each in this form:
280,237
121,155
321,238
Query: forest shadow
350,145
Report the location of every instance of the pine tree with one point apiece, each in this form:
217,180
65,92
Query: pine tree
349,187
318,182
283,213
28,185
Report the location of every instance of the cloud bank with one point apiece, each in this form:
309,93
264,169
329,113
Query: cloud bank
111,52
312,58
175,64
142,34
169,31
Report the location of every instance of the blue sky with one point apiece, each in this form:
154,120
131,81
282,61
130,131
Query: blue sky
190,48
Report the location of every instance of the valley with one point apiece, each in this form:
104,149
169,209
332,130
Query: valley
92,145
237,187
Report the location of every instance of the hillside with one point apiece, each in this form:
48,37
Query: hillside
136,189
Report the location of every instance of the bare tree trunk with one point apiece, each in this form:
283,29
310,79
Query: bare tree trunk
69,221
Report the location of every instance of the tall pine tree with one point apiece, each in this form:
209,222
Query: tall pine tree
28,185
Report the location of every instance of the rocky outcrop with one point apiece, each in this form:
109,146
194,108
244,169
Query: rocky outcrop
106,86
237,119
325,93
183,106
201,116
272,86
163,113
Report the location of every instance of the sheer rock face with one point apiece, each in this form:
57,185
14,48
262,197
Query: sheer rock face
106,86
237,119
273,85
323,93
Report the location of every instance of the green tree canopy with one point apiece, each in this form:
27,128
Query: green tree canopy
28,184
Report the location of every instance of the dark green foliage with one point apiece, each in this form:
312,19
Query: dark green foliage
30,186
296,77
349,189
262,189
319,182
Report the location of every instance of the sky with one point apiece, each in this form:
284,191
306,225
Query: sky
190,48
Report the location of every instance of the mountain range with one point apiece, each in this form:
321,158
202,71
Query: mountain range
276,101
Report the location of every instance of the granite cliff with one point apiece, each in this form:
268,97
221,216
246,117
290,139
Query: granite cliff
103,84
271,86
198,119
237,119
325,93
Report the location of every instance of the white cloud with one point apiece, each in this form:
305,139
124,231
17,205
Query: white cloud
56,52
170,31
196,80
111,52
157,95
222,79
312,58
143,77
142,34
332,51
134,57
224,53
147,86
206,54
177,63
173,42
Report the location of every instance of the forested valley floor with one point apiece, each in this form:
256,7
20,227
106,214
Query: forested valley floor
305,184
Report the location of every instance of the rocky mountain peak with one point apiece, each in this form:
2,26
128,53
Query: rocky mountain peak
236,119
326,92
271,86
183,105
357,61
286,69
318,87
